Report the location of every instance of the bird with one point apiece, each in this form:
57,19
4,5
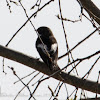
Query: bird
47,47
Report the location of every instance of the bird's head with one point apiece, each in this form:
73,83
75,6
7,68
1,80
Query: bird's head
44,31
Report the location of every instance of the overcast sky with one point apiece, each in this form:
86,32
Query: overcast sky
25,41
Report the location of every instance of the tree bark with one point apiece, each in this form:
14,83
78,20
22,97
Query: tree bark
40,66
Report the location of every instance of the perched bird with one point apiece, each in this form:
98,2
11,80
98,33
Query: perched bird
47,47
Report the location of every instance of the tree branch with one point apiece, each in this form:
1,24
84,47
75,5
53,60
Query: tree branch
40,66
91,9
91,98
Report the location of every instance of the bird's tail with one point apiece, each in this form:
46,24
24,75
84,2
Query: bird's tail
56,70
54,67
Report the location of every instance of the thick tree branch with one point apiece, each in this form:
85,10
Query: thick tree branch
40,66
91,9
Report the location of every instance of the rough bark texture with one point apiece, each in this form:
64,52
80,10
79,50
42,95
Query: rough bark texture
40,66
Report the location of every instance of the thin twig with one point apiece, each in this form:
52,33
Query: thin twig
14,72
66,91
35,89
3,66
25,77
14,2
67,46
71,93
73,21
37,4
55,90
59,89
9,7
38,80
91,68
63,27
80,43
25,86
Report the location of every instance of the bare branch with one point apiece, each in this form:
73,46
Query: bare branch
9,7
40,66
80,43
91,9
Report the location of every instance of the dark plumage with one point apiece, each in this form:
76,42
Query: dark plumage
48,48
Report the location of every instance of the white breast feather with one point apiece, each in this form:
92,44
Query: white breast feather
54,47
42,47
